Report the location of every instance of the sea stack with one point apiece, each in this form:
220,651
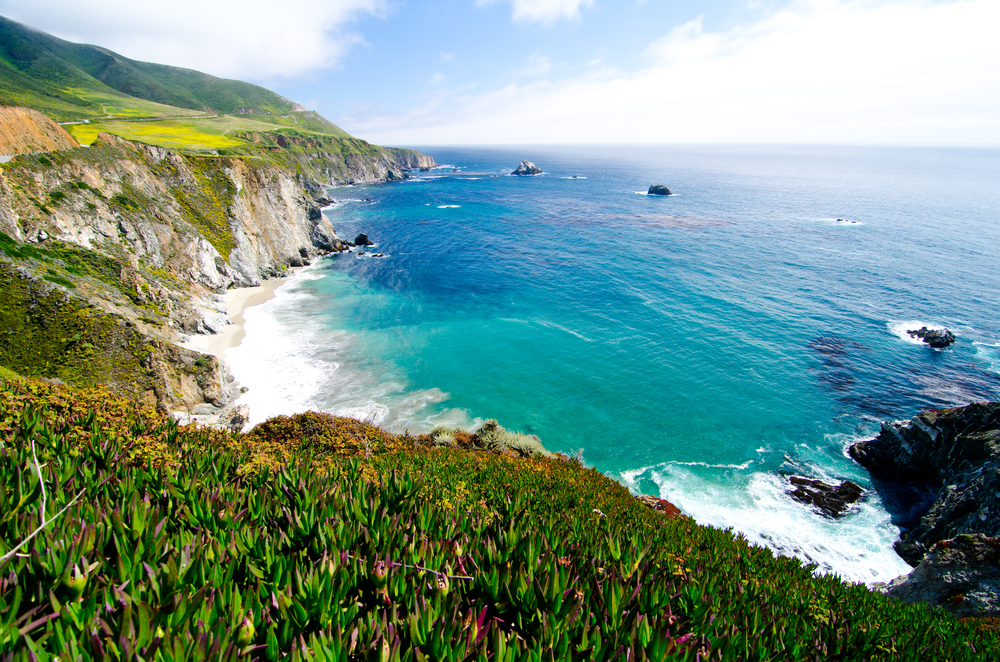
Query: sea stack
527,168
362,240
936,338
658,189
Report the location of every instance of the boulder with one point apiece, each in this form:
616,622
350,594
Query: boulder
658,189
831,500
660,505
527,168
362,240
239,417
938,474
936,338
961,574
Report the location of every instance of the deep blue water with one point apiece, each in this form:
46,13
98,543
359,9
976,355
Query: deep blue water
699,346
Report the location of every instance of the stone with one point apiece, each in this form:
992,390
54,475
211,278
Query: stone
660,505
362,240
527,168
658,189
239,417
961,574
831,500
938,474
936,338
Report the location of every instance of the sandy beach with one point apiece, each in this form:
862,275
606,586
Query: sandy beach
237,301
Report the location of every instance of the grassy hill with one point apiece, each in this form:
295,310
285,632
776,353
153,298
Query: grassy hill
321,538
159,104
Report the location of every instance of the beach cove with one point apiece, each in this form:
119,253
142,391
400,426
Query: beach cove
644,335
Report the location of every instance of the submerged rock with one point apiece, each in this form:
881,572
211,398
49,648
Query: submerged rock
938,474
362,240
658,189
527,168
961,574
936,338
831,500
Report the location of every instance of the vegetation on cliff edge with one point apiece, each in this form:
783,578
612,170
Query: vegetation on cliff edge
319,538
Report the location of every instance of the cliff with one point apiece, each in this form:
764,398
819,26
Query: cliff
939,474
149,238
24,130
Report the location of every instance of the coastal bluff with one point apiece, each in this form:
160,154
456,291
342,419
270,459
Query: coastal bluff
939,476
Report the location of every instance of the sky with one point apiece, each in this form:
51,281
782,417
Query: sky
479,72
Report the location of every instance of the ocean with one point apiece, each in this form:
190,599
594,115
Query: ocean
700,347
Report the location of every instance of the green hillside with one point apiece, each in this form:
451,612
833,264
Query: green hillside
316,538
84,83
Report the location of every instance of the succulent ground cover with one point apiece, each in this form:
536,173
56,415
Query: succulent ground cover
126,537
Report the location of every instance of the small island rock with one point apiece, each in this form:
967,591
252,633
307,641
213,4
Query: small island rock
831,500
362,240
658,189
936,338
527,168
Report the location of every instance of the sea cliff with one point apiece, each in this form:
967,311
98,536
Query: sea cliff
151,237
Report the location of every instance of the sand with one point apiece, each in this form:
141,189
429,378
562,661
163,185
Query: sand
237,301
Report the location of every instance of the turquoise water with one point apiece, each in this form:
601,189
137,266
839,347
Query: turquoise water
699,346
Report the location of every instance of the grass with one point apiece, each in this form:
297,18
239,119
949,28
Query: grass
46,333
321,538
193,135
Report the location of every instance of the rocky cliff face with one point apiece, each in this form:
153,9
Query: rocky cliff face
939,473
24,130
153,237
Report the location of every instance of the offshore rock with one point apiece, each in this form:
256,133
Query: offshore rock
831,500
658,189
961,574
362,240
527,168
939,474
936,338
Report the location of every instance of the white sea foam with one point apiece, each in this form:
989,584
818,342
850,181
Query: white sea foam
449,206
291,362
857,547
899,329
553,325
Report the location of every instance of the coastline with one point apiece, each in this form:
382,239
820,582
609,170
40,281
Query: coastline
236,301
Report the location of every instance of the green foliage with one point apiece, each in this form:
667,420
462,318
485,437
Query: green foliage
494,437
76,261
205,204
45,333
401,552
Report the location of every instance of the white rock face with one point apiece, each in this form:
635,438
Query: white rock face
527,168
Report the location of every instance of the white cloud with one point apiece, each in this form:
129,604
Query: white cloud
256,39
536,65
543,11
826,71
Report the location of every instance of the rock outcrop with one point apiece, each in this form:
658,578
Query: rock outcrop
936,338
25,130
362,240
831,500
658,189
527,168
962,575
157,236
939,474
